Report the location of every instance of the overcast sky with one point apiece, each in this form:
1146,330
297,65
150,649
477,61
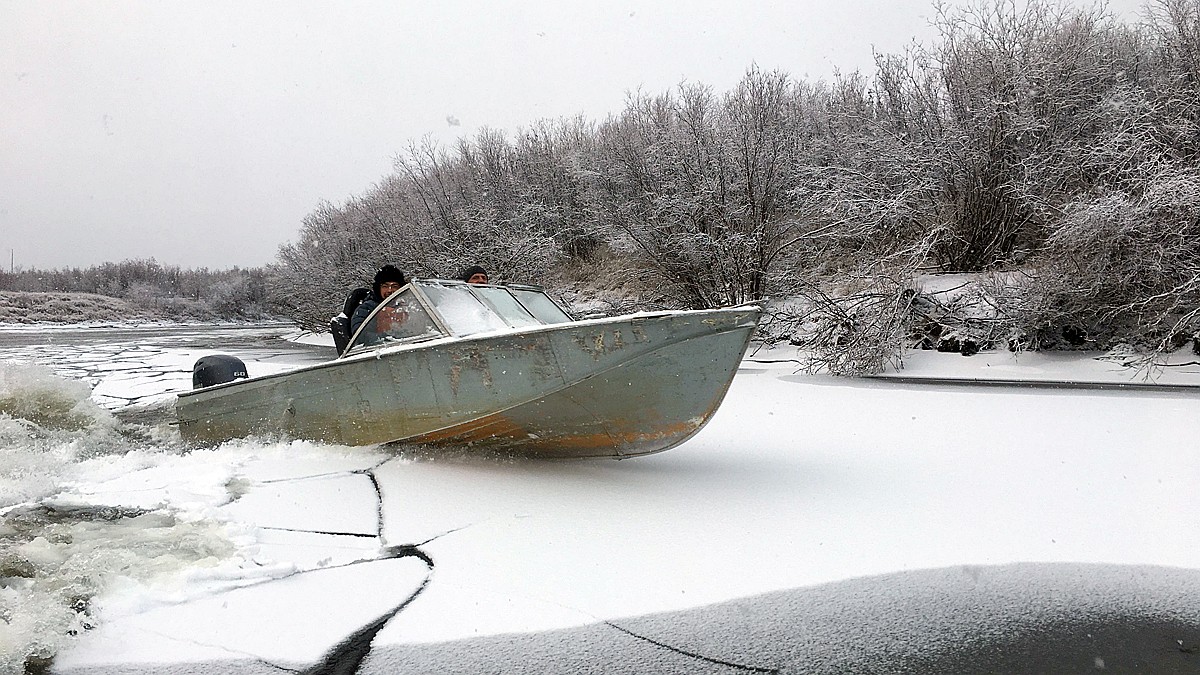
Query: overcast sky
201,133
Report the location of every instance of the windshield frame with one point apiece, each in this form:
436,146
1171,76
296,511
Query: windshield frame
416,287
438,323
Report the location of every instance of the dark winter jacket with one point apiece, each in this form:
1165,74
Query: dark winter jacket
339,325
364,310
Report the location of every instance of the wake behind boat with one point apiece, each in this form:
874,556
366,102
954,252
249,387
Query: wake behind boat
494,368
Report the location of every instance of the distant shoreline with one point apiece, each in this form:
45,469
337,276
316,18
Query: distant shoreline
31,308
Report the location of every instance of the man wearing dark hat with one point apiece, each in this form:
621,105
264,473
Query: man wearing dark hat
388,280
473,275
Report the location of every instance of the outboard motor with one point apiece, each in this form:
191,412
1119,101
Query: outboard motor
217,369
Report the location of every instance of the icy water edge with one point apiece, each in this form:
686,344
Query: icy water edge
82,405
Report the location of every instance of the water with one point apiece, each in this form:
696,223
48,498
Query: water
82,405
136,365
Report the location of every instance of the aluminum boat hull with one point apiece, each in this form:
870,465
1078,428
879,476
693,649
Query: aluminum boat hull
617,387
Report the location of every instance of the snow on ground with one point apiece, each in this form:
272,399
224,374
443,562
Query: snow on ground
808,503
1180,367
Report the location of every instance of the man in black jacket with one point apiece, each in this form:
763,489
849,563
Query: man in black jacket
347,322
388,280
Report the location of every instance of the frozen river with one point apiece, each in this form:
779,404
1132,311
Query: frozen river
816,525
139,364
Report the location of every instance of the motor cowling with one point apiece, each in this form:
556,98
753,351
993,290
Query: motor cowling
217,369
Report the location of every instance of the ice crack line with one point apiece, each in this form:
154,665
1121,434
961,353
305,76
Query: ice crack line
364,535
347,656
378,500
236,652
677,650
369,472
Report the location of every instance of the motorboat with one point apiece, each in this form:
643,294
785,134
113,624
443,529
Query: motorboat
495,368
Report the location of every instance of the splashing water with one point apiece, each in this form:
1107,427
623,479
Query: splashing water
56,554
47,424
53,562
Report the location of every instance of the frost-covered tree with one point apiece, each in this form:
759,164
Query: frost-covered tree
695,186
1028,137
1118,268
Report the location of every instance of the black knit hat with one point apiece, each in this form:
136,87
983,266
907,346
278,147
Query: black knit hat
387,273
467,272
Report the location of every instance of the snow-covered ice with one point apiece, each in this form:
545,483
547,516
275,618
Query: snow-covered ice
816,524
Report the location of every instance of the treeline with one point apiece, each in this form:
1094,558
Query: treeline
1055,141
162,290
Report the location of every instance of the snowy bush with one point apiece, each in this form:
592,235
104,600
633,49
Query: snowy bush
1119,268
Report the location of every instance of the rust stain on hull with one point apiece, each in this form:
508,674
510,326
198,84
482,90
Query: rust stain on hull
497,432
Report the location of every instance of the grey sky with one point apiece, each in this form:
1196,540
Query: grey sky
201,133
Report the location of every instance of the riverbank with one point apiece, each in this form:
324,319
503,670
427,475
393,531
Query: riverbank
30,308
58,308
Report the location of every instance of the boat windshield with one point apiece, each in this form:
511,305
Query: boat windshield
539,305
462,310
466,309
399,318
507,306
430,308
